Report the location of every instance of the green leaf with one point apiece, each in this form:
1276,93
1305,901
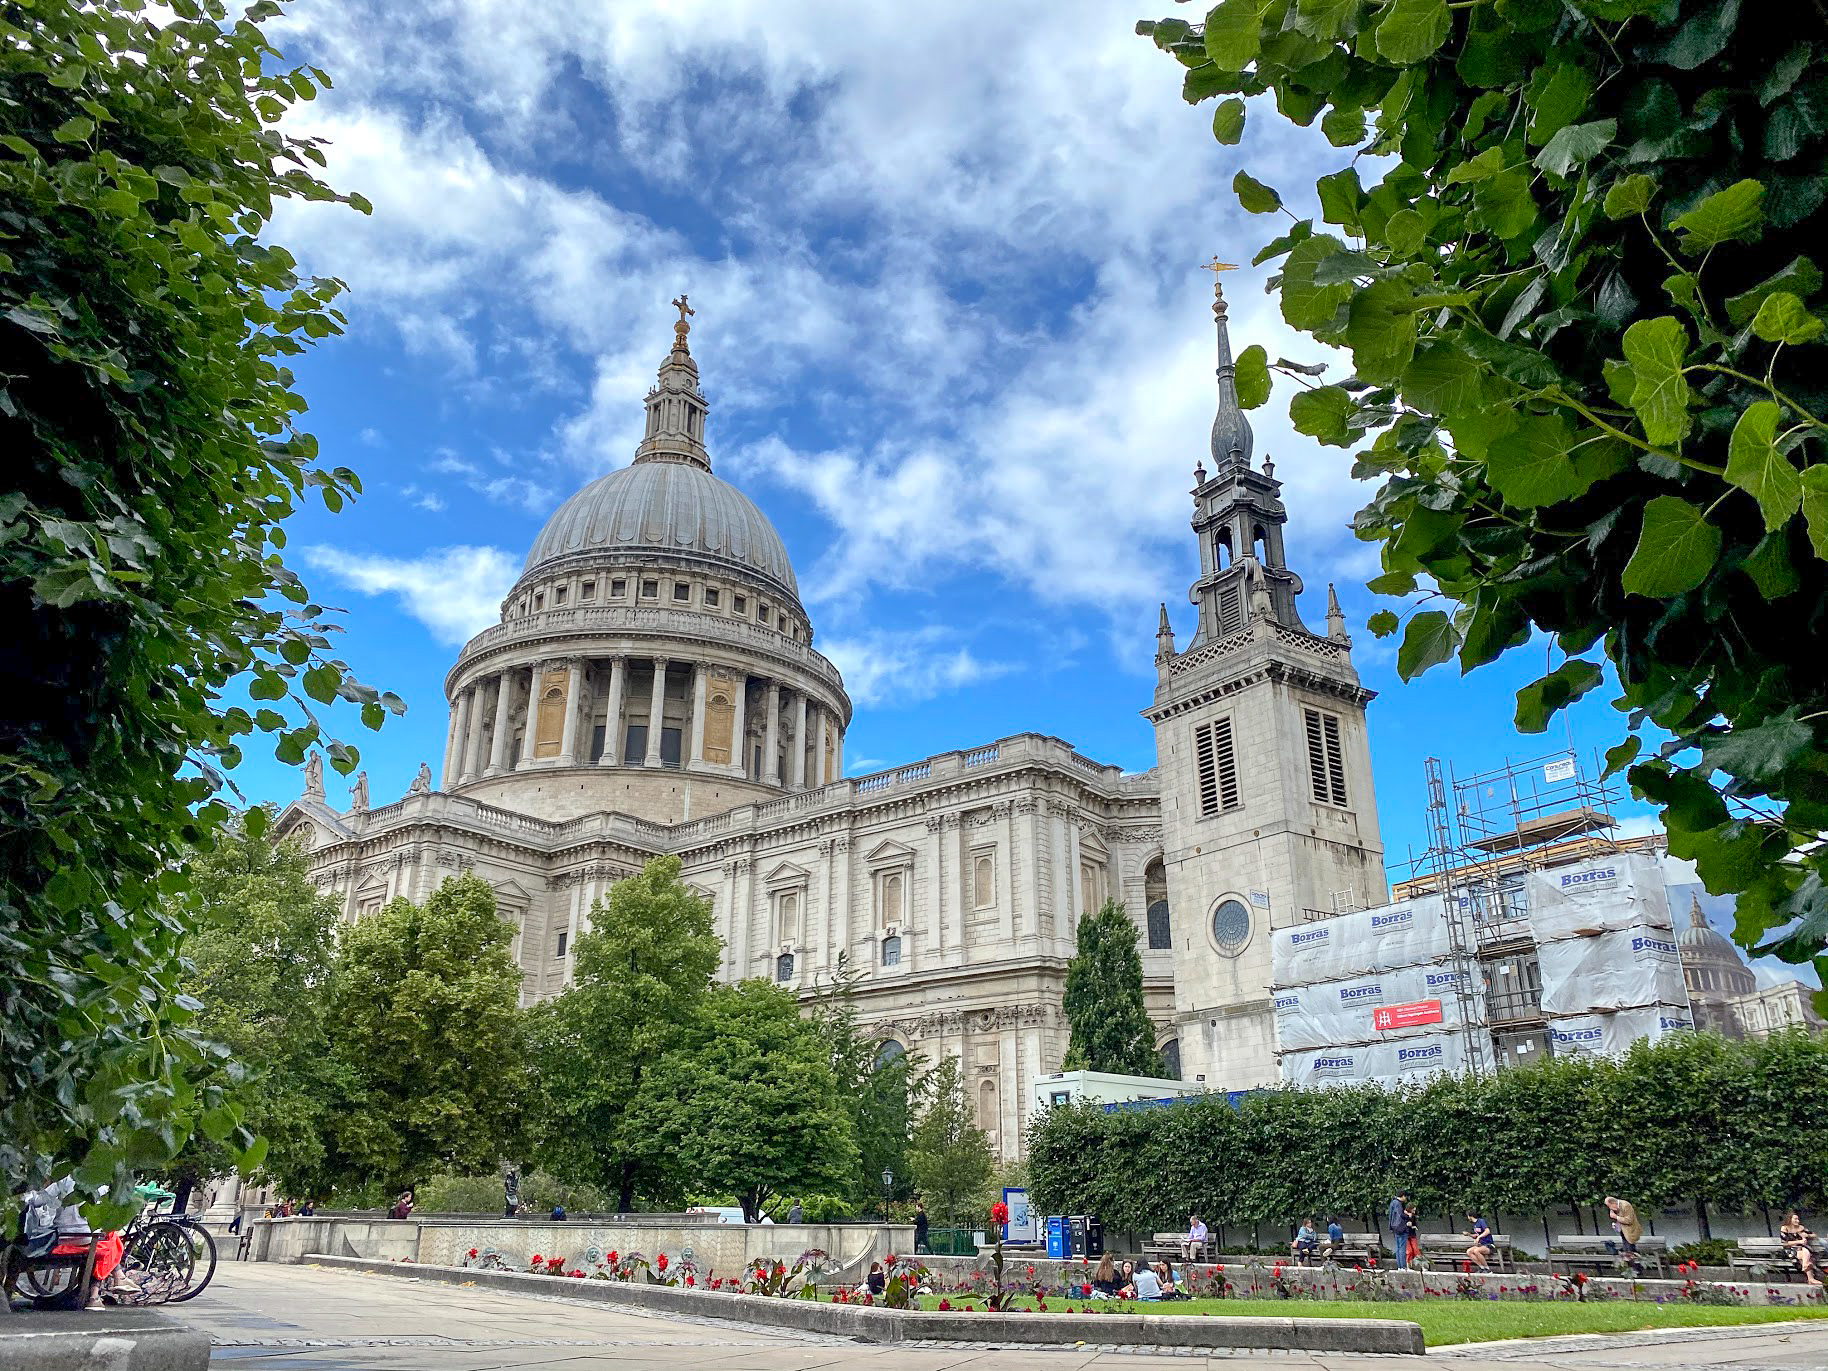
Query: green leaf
74,130
1505,204
1770,567
1234,31
360,203
1630,196
1801,278
1254,196
1756,466
1531,465
1815,508
1413,30
1488,163
1429,639
1383,623
1655,349
321,682
1322,413
1575,144
1558,95
1326,19
1723,216
1228,121
1307,304
1622,756
218,1123
1343,128
1782,318
1443,380
1677,547
1252,378
1538,702
1381,330
251,1157
1762,751
1404,231
1702,36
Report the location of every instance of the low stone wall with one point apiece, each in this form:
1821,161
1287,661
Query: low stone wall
724,1248
115,1339
893,1325
951,1273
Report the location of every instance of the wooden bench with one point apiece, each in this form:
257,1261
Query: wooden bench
1454,1245
1169,1245
1770,1256
1605,1256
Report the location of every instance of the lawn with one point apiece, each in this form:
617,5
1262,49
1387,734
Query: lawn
1446,1321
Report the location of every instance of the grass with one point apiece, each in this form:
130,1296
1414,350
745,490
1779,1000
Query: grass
1446,1321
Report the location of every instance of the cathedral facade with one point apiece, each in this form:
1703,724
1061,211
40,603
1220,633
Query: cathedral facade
652,687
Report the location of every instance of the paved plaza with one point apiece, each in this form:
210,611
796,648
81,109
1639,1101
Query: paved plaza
277,1318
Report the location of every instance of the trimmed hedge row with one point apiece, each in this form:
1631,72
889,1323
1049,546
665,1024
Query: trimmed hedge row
1694,1119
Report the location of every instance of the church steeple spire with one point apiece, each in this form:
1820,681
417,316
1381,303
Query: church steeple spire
675,407
1696,919
1231,436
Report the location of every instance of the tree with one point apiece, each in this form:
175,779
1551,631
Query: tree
950,1158
261,960
642,971
750,1102
1586,331
1109,1022
152,452
427,1034
877,1081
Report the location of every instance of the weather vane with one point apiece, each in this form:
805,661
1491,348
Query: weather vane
1215,266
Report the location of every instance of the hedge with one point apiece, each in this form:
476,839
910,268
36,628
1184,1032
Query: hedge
1695,1119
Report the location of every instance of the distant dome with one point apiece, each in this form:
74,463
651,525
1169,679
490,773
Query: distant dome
670,507
1703,943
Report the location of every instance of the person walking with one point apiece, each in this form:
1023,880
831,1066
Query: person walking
1397,1221
920,1227
796,1214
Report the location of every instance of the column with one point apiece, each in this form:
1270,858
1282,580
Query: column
696,753
936,886
457,753
656,712
1030,827
739,735
1005,816
799,740
504,701
771,746
821,740
612,722
838,752
574,689
472,742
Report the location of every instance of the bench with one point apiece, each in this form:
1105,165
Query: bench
1169,1245
1603,1256
1454,1245
1770,1256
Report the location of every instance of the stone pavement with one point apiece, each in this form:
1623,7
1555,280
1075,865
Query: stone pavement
269,1317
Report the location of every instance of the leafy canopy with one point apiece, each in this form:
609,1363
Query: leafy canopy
878,1082
152,454
642,972
1108,1019
1586,326
950,1155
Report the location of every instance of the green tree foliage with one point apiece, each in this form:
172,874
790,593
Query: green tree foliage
1587,335
427,1034
642,972
1691,1119
148,421
261,959
950,1156
750,1102
877,1081
1110,1028
447,1194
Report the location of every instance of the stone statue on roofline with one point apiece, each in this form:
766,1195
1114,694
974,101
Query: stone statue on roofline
422,783
314,776
358,793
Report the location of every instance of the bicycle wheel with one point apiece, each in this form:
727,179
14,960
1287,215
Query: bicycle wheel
164,1252
203,1260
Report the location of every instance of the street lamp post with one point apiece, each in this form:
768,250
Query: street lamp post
888,1189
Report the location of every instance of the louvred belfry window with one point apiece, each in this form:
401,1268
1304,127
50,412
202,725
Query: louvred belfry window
1326,760
1217,765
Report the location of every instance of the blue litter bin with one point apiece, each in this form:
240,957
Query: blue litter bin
1057,1237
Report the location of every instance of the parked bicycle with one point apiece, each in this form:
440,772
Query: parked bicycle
164,1258
174,1248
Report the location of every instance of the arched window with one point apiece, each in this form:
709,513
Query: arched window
1155,895
789,916
1171,1058
1221,549
983,882
891,951
891,898
987,1108
783,967
889,1051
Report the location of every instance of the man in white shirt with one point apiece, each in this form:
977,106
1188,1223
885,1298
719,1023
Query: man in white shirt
1193,1248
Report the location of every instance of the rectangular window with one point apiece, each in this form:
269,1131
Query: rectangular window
587,591
618,587
539,600
762,613
650,590
740,603
634,750
598,734
559,593
669,747
1231,609
563,935
1326,762
712,596
1218,766
682,591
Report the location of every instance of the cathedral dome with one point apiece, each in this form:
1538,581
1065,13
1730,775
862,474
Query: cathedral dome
671,507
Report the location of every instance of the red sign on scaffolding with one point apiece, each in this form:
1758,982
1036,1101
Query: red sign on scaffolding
1405,1015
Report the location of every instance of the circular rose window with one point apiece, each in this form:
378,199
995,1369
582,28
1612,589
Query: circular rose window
1231,926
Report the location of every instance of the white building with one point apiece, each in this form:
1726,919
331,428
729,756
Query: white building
653,687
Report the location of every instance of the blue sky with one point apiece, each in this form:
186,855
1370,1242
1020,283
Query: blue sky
950,321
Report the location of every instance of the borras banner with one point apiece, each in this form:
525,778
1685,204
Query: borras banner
1624,890
1388,1064
1345,1012
1608,1035
1631,967
1388,938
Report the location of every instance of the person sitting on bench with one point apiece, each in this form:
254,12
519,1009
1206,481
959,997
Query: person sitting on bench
1193,1247
1480,1253
1305,1244
1797,1239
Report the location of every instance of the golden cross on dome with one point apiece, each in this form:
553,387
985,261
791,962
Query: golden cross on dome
683,308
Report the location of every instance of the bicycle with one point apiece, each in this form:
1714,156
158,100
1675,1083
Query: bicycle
170,1247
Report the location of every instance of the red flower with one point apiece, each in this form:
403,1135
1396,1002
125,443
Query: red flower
660,1262
1031,1271
945,1306
536,1259
891,1259
472,1253
690,1279
612,1259
575,1275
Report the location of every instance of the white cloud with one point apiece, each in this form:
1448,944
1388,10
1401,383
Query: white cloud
882,667
428,500
456,592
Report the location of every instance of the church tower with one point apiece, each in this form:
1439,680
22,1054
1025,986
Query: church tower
1268,813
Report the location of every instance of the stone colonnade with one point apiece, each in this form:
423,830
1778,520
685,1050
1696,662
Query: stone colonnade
584,711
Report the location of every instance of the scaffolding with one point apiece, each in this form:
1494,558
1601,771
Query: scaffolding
1485,831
